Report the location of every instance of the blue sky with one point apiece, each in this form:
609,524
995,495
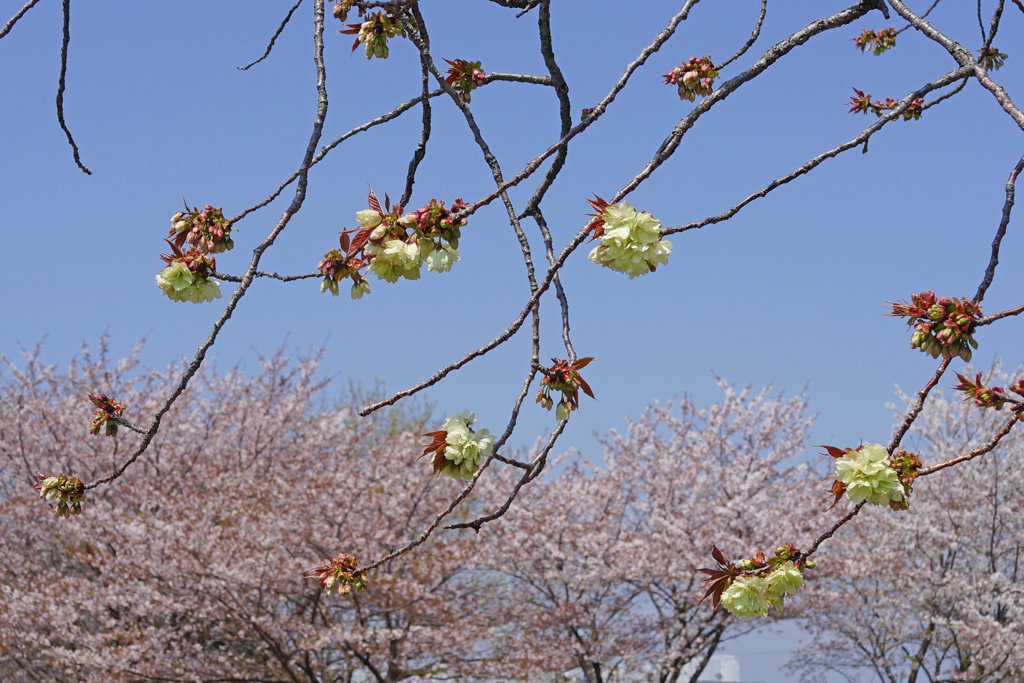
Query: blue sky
790,292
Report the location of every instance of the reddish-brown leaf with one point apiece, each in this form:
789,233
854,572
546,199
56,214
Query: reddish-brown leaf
716,584
585,387
717,554
375,203
582,363
833,451
360,240
838,489
344,240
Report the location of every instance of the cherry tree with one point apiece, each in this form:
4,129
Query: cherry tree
395,241
602,561
192,566
937,595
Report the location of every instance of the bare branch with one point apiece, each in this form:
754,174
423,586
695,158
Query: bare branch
283,278
836,151
989,319
14,20
963,57
945,96
994,25
776,52
595,114
559,292
250,273
532,472
517,78
828,534
270,45
993,442
556,79
753,38
922,396
393,114
60,85
421,147
993,261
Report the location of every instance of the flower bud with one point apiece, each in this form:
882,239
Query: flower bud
562,411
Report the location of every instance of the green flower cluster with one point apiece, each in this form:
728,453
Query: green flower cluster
373,33
868,476
466,447
630,240
750,596
457,448
187,277
399,246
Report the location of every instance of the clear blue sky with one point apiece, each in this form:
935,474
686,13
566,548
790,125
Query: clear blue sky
790,292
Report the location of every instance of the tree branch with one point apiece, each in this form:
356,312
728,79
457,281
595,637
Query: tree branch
270,45
250,273
14,20
60,84
990,271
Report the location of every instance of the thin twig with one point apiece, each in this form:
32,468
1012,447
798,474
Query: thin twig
989,319
981,24
283,278
532,472
270,45
563,300
976,452
836,151
14,20
512,461
393,114
595,113
994,26
125,423
990,271
828,534
60,86
421,147
922,16
963,57
916,409
250,273
517,78
839,19
772,55
556,79
945,96
753,38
